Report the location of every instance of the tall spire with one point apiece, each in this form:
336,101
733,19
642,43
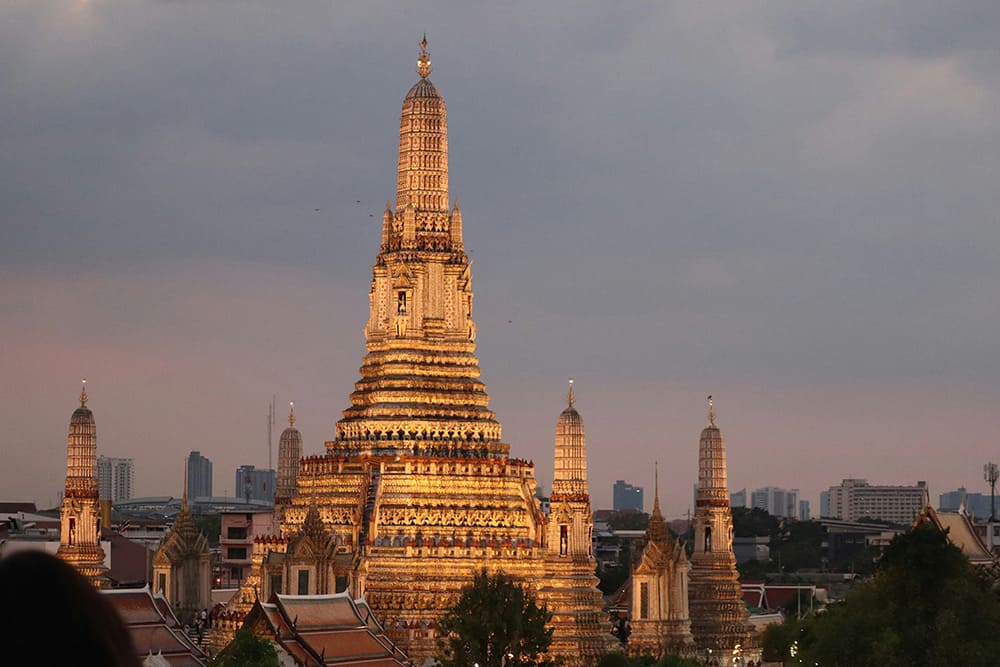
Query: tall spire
656,530
291,413
424,61
80,516
184,496
571,451
711,411
656,486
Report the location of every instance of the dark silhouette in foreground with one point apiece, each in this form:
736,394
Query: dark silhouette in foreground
53,616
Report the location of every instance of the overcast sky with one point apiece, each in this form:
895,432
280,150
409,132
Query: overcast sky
791,206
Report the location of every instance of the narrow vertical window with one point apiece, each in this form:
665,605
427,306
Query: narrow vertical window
563,539
708,538
401,302
644,600
303,582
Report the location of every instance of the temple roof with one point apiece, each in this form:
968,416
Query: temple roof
423,89
325,630
154,628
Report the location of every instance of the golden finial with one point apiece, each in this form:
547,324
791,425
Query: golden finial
571,397
291,413
83,393
424,61
711,411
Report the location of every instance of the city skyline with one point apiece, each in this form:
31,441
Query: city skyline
797,218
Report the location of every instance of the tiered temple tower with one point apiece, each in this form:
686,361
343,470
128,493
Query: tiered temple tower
182,567
718,614
417,490
661,624
80,514
580,630
289,456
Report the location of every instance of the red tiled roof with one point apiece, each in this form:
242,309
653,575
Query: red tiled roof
153,626
325,629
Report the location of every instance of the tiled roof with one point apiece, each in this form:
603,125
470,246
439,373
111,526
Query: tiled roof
325,630
153,626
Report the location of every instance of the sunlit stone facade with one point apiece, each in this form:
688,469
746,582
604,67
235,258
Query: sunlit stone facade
661,624
417,491
80,513
718,613
569,586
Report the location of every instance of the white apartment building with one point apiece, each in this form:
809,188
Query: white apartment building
776,501
115,478
855,499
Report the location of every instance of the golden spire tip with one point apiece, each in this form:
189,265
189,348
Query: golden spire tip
424,61
83,393
711,411
291,413
572,396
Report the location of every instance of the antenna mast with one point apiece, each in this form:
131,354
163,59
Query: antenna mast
270,424
991,474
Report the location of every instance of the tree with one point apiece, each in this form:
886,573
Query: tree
927,605
248,650
496,623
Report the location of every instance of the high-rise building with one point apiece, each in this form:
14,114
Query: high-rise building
626,496
115,477
855,499
804,514
824,504
719,618
80,514
255,484
976,504
777,501
417,490
738,499
199,476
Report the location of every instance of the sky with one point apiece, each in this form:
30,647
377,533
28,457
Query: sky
790,206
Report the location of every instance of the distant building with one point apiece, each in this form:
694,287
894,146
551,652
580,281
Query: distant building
199,482
255,484
976,504
738,499
824,503
626,496
804,514
855,499
115,478
236,542
777,501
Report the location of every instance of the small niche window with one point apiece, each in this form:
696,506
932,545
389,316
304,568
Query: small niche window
563,539
401,302
644,600
708,538
276,583
303,582
72,531
161,585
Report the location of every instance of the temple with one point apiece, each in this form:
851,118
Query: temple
417,490
569,587
661,624
718,614
182,566
289,455
80,513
